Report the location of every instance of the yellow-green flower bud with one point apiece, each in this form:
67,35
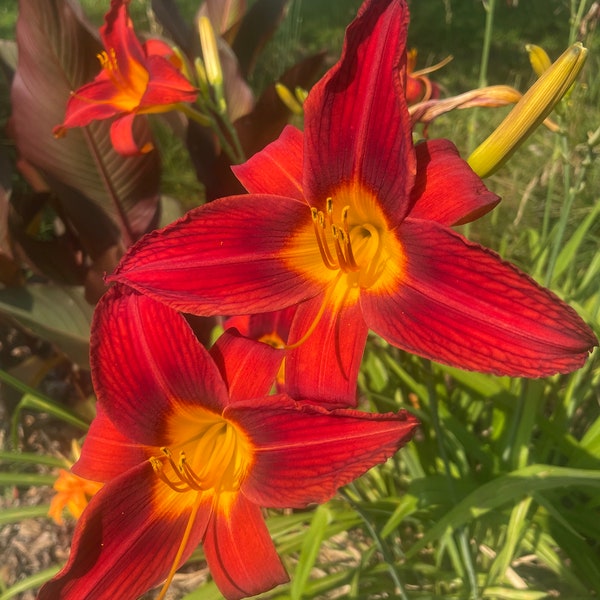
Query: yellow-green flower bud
212,64
529,112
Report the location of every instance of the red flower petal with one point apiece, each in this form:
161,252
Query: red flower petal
226,257
122,543
147,363
122,138
248,367
119,37
91,102
305,452
277,169
107,453
460,304
325,366
446,189
357,126
239,550
166,85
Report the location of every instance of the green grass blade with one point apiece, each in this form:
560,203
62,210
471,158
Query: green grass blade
508,488
13,515
29,583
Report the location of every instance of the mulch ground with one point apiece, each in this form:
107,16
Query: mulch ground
35,544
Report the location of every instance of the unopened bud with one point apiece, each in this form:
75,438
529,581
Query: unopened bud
210,53
289,99
529,112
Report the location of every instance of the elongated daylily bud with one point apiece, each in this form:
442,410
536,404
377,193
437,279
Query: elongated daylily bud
212,64
529,112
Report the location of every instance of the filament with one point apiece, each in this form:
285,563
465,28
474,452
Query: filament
180,550
318,316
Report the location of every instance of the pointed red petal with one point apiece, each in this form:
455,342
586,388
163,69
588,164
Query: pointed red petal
304,452
147,363
460,304
119,37
91,102
124,541
122,138
277,169
239,550
107,453
275,324
357,126
325,366
446,189
166,84
226,257
249,368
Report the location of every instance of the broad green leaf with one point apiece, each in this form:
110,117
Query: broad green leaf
58,314
57,55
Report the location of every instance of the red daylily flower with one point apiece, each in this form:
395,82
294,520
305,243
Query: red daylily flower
135,79
352,222
190,447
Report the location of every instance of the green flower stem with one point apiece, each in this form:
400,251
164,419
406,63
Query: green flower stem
215,119
489,7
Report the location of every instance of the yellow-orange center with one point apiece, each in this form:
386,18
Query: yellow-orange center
208,453
130,87
349,245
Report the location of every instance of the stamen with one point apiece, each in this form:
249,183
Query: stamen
342,243
180,550
176,486
349,254
319,227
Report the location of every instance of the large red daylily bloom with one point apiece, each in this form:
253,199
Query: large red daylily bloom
135,79
352,222
190,447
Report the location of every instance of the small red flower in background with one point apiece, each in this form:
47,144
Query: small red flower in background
419,87
135,79
352,223
190,446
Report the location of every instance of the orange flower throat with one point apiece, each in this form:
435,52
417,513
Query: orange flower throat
209,453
